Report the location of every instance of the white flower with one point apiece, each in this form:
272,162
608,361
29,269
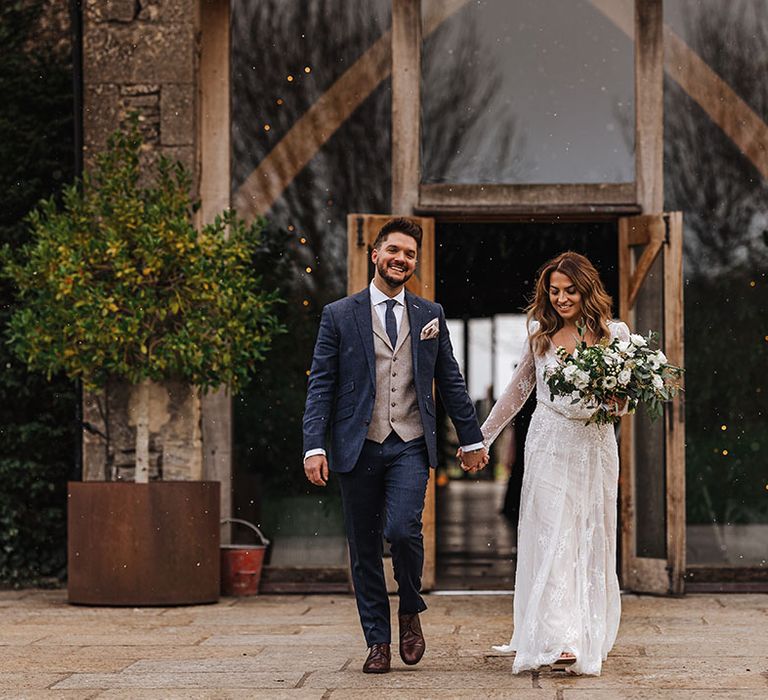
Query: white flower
569,371
638,340
575,396
580,379
609,382
661,357
626,348
624,376
657,381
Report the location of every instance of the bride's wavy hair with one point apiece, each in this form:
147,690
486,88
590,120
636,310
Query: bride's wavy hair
595,301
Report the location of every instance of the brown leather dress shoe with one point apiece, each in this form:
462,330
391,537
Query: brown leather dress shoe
412,644
378,660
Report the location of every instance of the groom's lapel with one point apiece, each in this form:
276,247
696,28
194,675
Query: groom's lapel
417,318
365,328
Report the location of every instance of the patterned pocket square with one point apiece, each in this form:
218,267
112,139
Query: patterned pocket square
431,330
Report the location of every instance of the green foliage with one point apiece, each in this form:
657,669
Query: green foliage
118,282
37,428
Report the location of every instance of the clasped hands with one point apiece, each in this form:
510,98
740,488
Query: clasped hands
473,461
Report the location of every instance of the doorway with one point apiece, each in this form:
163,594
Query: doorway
485,272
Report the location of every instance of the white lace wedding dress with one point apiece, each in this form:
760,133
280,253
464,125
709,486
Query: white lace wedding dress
566,588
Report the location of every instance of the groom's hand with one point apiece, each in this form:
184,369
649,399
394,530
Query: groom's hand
475,460
316,469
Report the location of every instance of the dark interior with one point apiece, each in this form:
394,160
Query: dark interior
483,269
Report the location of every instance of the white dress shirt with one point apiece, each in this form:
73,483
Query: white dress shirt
378,301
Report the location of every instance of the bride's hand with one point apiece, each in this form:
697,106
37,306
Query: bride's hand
616,405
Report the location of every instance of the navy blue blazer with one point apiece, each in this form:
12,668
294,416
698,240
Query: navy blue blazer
342,380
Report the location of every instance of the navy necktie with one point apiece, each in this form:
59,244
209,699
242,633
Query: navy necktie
390,322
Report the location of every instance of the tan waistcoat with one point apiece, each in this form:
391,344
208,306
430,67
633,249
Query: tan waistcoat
396,405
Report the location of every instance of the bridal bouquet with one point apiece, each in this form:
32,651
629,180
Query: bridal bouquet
615,373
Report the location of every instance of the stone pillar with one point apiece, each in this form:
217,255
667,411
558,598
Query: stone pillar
144,56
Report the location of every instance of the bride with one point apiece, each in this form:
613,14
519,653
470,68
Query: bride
566,604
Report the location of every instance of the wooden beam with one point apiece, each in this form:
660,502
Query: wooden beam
435,196
656,235
675,433
214,159
626,442
556,214
406,105
649,105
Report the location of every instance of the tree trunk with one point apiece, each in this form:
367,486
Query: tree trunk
142,433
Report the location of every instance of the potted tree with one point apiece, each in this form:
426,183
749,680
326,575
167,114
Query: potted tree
117,283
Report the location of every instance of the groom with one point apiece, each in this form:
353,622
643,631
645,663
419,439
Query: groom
369,399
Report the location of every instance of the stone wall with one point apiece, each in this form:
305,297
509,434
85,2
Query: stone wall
142,56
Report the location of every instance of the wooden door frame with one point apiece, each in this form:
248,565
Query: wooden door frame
660,232
361,231
409,195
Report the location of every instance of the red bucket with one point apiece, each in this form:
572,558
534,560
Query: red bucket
241,563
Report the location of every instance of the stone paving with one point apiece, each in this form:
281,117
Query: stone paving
310,647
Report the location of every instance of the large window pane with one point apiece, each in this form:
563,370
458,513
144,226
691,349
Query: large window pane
286,56
531,91
724,197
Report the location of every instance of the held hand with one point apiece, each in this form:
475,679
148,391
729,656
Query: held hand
616,405
473,461
316,469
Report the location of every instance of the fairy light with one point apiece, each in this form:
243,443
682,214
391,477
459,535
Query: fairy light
303,240
308,270
289,78
752,283
307,69
723,427
267,127
305,302
290,227
279,100
725,453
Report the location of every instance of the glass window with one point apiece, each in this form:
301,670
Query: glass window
286,56
535,91
723,196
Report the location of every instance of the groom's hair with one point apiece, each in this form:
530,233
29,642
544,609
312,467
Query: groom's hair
399,225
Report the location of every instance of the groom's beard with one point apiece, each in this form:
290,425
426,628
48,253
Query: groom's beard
383,271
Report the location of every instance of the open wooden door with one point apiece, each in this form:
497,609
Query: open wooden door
361,232
652,482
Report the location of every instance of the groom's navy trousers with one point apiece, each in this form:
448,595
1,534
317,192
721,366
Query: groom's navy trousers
384,494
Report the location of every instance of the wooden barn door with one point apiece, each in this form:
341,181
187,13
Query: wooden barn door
361,232
652,481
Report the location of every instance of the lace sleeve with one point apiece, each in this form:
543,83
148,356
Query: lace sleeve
512,399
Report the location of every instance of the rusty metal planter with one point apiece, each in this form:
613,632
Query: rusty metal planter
143,544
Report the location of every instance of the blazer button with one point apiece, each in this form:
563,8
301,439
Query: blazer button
393,404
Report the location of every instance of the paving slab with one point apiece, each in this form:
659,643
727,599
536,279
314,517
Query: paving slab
420,679
311,648
213,681
645,694
38,694
229,694
485,694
